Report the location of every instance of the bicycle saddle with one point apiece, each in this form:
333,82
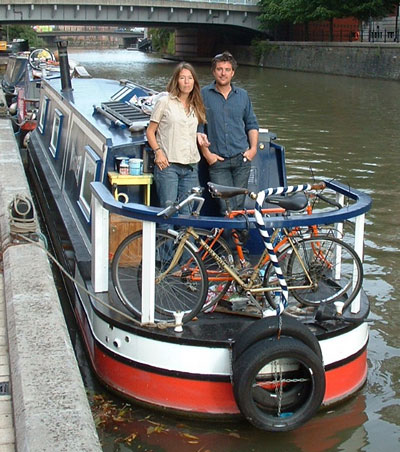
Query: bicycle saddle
295,202
224,192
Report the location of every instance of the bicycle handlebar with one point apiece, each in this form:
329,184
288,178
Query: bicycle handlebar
195,196
170,210
318,186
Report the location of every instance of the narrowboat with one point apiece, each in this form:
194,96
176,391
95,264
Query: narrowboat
21,85
314,356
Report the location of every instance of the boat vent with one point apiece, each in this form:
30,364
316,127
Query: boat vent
126,113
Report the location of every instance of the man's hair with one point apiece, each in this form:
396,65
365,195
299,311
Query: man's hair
224,56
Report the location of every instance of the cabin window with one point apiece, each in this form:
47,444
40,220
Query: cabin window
90,173
43,115
56,133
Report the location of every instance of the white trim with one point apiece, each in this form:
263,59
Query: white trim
190,359
344,345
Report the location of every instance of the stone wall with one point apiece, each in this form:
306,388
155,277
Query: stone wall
358,59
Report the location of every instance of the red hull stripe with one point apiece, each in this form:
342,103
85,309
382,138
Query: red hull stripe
345,380
166,391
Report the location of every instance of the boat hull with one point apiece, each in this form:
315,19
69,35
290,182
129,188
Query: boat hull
195,378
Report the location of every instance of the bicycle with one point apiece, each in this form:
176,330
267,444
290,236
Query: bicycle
220,281
305,266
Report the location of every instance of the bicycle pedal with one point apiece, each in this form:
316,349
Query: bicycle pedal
235,303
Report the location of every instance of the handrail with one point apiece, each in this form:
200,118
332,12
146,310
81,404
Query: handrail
362,205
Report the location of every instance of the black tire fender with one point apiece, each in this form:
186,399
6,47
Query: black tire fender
278,384
269,327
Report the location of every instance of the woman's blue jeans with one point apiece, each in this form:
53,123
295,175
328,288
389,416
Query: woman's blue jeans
173,184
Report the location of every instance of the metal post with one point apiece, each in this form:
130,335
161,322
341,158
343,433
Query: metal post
148,271
100,246
359,248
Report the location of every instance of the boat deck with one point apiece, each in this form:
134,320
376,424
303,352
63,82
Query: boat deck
221,327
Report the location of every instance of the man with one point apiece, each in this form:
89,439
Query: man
232,129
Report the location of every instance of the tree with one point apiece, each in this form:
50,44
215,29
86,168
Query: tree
160,38
25,32
303,11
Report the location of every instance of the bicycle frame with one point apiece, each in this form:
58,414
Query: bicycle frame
252,286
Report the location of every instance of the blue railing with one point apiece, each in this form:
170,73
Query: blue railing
141,212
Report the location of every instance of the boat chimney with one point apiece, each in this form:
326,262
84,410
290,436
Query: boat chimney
62,45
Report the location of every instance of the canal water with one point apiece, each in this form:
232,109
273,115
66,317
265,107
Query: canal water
336,127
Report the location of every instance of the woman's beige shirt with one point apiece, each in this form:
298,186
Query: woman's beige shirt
176,132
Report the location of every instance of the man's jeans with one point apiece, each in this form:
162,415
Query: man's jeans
233,172
174,184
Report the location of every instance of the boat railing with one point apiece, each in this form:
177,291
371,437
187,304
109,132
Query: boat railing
355,205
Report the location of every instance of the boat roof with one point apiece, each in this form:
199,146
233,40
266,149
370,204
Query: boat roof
87,94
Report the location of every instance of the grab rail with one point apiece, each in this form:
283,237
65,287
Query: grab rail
133,210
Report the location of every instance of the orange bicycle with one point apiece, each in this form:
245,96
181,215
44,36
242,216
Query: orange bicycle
220,281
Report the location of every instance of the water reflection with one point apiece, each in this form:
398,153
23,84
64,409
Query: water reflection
344,128
129,428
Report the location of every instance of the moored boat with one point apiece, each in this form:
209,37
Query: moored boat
21,85
83,131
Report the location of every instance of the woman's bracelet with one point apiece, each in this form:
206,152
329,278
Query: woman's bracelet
155,150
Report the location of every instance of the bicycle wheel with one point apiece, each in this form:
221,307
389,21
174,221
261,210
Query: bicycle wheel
218,280
332,265
178,287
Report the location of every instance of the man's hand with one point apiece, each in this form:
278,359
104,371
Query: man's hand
250,154
210,156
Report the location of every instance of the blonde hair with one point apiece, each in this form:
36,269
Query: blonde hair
194,97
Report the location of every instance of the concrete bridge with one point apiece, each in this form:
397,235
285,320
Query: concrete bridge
202,27
147,13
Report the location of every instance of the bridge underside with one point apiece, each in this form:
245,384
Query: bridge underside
204,42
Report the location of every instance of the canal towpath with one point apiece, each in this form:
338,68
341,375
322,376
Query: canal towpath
43,403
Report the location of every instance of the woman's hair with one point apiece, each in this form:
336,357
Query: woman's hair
194,98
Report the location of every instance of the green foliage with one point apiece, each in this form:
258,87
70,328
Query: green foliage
171,44
303,11
160,39
263,47
25,32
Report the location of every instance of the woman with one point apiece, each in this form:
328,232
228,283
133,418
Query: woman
172,136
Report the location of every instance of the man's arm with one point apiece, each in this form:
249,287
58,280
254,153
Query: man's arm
253,140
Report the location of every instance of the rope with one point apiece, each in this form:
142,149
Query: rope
160,325
22,216
266,234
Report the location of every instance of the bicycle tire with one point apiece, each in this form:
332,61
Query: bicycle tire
216,290
318,255
183,288
278,384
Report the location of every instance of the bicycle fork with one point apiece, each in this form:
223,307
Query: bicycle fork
175,259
